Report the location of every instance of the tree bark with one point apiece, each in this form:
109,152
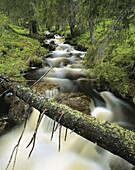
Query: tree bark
107,135
33,27
72,19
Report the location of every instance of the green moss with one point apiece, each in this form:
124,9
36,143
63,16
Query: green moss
20,30
17,52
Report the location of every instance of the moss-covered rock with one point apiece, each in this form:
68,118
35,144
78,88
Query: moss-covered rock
42,86
18,109
77,101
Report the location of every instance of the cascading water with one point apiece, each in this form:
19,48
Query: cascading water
76,152
73,155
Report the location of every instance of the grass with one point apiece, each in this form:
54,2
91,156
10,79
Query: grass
18,52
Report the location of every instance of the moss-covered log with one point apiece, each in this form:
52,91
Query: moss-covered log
107,135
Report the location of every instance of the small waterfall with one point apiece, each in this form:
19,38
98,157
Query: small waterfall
50,93
76,152
123,112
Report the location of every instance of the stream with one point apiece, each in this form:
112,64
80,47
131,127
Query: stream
65,76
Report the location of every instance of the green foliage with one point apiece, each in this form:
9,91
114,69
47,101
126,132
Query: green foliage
82,39
65,32
3,22
19,30
112,76
17,52
113,66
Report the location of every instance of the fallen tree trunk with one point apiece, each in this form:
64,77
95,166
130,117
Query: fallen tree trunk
107,135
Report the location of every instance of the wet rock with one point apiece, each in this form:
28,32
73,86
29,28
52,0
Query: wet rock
41,86
18,110
49,90
77,101
36,63
80,48
4,105
50,44
49,34
14,113
3,124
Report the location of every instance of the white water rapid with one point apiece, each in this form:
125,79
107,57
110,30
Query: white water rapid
76,152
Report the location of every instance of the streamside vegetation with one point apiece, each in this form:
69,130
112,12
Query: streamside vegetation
104,28
18,53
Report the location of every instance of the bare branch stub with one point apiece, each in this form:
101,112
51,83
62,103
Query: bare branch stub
33,139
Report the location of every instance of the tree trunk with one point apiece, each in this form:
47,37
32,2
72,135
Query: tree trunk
92,36
107,135
72,25
33,27
72,19
57,27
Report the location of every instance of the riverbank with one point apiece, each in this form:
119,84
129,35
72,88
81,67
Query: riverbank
18,52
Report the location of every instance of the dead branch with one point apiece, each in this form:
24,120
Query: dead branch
41,77
33,139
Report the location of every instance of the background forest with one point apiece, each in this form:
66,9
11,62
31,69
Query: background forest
106,29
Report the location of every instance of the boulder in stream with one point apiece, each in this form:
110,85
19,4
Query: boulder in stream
77,101
18,110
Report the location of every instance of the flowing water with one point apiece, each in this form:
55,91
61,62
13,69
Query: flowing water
76,152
